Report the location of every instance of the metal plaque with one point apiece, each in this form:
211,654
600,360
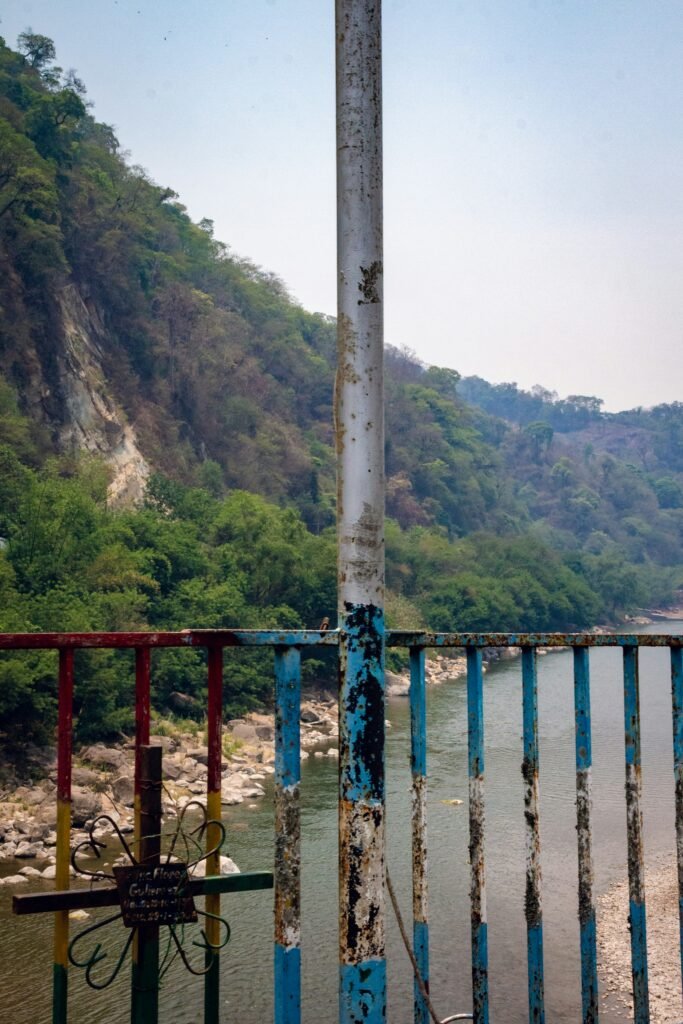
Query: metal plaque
155,895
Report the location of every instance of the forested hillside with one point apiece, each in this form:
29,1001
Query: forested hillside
167,456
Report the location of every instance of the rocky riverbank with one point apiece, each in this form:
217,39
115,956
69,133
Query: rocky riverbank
664,966
102,776
102,783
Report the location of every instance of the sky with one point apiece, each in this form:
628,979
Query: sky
533,156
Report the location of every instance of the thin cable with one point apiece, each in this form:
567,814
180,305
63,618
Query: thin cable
416,970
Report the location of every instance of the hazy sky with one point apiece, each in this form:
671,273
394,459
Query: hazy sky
533,165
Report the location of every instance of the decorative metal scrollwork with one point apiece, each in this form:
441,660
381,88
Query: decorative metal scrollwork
171,877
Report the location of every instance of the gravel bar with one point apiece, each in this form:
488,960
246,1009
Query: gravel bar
664,964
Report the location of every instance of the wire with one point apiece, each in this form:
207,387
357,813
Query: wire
416,970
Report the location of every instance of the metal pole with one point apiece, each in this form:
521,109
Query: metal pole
212,978
359,419
63,850
145,1002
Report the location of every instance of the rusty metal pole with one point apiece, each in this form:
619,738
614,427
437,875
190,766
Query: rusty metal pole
145,1001
359,417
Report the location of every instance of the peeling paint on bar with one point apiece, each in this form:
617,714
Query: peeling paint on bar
361,881
405,638
182,638
475,746
677,704
361,700
419,823
533,897
634,832
287,872
327,638
363,991
418,767
584,761
287,867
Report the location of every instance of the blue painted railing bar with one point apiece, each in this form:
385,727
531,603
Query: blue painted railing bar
407,638
475,748
418,767
634,832
533,899
677,701
287,872
584,800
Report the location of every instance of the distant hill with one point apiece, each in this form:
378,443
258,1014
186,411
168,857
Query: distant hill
166,436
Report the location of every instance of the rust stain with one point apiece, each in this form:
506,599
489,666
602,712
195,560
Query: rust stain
361,881
368,286
634,827
583,828
287,866
419,821
477,860
532,899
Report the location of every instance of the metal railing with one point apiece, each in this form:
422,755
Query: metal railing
287,647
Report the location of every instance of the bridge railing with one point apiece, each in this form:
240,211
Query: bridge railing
287,647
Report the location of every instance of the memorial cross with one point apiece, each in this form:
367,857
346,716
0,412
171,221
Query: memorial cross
150,894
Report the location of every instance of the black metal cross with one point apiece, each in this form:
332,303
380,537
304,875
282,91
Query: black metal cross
149,894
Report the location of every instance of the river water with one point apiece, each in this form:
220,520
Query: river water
25,944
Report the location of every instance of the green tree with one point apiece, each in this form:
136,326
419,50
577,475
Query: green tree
38,50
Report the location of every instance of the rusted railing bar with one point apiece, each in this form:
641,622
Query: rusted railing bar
142,720
404,638
533,897
287,871
326,638
63,847
677,701
143,658
145,970
418,766
475,747
183,638
584,799
634,828
213,810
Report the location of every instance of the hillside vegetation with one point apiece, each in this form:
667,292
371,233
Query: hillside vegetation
496,521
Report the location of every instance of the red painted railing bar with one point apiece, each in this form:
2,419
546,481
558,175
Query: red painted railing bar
142,708
182,638
65,724
215,719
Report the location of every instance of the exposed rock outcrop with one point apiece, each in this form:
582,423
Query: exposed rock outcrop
93,421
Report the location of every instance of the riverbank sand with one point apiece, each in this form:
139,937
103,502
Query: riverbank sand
614,947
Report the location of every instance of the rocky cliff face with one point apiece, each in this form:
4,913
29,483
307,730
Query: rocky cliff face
90,418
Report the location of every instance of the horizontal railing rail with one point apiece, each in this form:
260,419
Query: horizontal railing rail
288,646
326,638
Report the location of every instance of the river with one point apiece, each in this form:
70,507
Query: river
25,944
